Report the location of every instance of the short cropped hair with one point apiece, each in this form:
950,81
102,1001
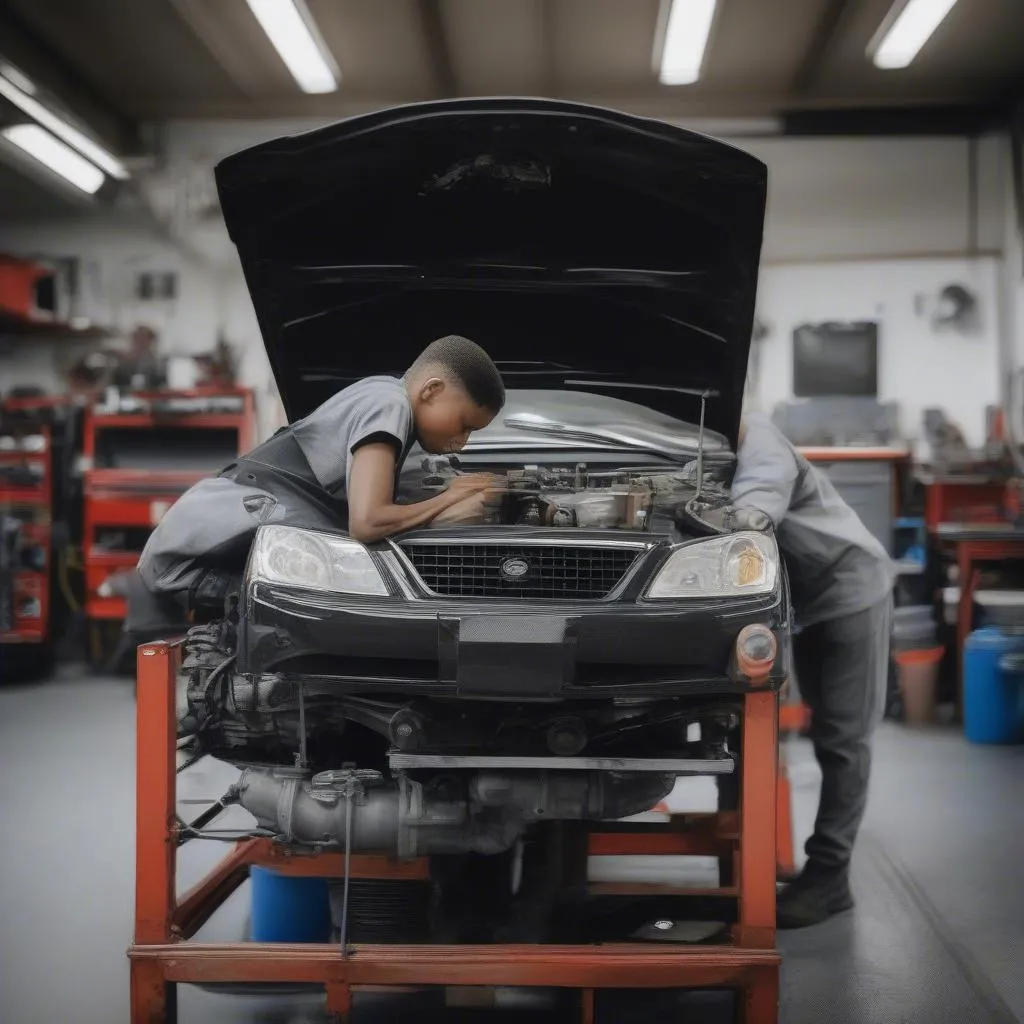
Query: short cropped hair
467,364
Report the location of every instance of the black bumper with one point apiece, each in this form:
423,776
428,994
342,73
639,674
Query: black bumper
511,651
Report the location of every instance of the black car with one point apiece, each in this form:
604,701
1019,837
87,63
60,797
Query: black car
443,692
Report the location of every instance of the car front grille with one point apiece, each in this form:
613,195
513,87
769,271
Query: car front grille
553,571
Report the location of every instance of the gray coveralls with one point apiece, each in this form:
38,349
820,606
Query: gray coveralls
299,477
841,581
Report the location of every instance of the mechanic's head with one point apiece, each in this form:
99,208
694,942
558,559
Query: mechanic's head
455,389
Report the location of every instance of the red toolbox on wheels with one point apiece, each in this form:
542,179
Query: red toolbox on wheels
26,481
141,452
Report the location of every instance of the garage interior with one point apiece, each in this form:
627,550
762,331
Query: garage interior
887,345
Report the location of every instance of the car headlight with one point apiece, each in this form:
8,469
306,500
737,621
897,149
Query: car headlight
314,561
741,564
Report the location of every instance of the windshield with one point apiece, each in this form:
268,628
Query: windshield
543,419
532,423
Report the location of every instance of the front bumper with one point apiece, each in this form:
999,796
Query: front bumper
507,650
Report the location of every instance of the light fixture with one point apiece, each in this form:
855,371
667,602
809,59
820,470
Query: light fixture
685,38
293,32
18,78
39,144
908,32
59,127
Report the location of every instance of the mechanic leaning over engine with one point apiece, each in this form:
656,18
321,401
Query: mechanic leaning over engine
336,468
841,582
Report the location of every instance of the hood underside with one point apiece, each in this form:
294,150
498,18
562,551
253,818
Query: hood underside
582,248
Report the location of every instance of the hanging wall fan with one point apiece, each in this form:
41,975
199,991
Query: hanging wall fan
956,308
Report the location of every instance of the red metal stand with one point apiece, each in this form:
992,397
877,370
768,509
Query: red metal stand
161,957
969,554
792,718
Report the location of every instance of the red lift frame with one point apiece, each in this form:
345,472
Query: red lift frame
161,957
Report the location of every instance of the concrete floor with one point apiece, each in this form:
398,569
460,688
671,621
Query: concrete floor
936,936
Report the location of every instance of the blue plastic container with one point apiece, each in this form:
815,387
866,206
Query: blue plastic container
288,909
994,687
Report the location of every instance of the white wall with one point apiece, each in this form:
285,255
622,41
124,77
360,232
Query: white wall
919,367
26,364
863,198
841,214
112,250
1014,277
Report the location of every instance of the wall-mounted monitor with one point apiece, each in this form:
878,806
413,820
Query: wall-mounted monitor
831,359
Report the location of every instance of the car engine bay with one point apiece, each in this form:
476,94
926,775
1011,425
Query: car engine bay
691,498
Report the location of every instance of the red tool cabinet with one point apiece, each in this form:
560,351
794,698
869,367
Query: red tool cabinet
141,452
26,482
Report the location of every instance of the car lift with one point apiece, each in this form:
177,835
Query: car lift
793,718
744,840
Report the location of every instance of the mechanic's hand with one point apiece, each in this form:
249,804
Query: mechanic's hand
473,483
472,509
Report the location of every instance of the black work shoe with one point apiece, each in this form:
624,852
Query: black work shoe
813,896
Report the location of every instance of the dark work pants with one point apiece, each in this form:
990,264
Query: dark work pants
842,670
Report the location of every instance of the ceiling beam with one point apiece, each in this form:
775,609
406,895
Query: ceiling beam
833,15
439,48
1011,102
907,121
228,49
37,59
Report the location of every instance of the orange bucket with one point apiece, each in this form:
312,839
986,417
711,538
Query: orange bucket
919,673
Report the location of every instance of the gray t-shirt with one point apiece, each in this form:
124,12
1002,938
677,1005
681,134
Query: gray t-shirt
836,567
376,408
212,525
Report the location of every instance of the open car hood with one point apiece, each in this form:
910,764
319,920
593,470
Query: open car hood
584,249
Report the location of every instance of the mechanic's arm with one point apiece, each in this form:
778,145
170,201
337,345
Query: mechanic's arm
766,473
372,512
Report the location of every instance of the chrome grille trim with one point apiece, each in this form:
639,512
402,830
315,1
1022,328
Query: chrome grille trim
561,570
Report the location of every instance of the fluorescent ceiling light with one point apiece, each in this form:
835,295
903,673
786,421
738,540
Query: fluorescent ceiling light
71,135
686,36
53,154
292,31
913,27
22,81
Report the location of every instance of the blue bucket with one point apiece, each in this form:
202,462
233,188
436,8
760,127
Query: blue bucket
994,687
286,909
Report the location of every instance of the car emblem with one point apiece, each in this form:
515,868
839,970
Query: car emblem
514,568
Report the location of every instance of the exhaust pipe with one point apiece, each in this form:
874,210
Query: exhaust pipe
485,813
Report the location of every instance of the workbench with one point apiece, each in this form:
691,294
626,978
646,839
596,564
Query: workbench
743,840
963,499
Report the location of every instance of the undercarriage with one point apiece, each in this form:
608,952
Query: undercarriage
489,789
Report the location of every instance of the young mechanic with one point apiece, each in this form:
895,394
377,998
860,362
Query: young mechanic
336,467
841,583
